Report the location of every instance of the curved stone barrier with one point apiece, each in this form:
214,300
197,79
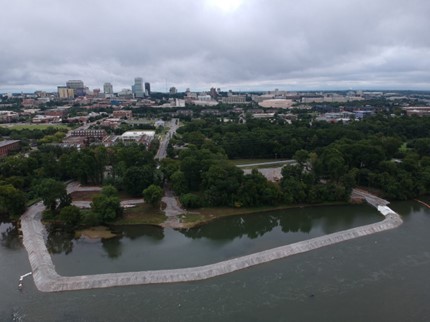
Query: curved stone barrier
47,279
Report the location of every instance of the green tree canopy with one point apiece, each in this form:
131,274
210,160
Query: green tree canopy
12,200
107,205
52,193
153,194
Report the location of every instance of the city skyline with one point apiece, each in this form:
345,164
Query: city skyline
237,44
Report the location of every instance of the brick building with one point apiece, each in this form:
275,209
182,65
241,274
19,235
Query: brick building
123,114
7,146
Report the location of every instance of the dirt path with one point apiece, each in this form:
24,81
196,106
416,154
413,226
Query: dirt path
173,209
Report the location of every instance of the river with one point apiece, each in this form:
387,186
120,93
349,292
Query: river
378,277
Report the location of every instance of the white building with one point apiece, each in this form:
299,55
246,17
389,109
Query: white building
144,137
276,103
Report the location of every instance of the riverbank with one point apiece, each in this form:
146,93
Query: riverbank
144,214
204,216
47,279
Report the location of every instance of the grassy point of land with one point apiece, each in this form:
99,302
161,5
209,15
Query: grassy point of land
204,215
89,195
95,233
84,195
142,214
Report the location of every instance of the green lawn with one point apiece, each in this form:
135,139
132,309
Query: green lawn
142,214
36,126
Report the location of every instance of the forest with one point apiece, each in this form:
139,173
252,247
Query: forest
389,154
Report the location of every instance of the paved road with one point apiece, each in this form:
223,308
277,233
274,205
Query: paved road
266,163
162,150
124,203
173,209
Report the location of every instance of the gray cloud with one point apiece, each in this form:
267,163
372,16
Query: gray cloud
195,43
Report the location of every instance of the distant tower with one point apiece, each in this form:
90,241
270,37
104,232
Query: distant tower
137,88
213,93
173,90
148,89
108,89
77,86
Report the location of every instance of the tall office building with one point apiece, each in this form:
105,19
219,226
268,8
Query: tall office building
147,89
137,88
77,86
65,93
108,89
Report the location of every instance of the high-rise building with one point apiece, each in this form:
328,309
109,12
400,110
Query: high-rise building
137,88
173,90
147,89
65,93
77,86
213,93
108,88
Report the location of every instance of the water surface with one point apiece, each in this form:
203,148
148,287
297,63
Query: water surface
382,277
148,247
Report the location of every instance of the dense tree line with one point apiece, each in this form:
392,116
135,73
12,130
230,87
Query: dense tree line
129,168
204,176
262,139
46,135
388,153
391,154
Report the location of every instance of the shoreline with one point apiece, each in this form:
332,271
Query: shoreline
48,280
210,214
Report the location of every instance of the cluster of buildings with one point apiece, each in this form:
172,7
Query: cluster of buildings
271,103
76,88
344,116
417,110
85,137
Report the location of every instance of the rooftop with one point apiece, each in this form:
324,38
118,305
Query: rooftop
7,142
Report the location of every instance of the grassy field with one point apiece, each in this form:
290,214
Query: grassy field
143,214
84,195
35,126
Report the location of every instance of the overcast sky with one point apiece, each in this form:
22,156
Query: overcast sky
231,44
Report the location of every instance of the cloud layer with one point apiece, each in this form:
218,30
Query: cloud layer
238,44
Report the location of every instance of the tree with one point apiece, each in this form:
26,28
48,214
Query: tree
221,183
153,194
12,200
257,191
190,200
136,179
52,191
301,156
107,205
179,183
70,215
331,164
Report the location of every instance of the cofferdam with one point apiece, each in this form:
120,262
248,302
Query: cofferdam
48,280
